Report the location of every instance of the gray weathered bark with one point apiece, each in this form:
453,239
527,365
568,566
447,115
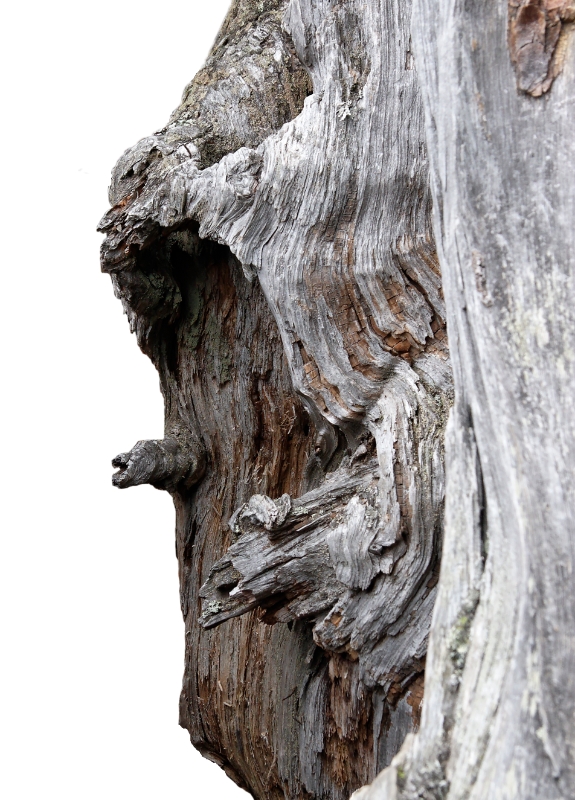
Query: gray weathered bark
274,250
499,713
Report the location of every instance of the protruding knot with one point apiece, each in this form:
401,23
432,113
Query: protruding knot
164,463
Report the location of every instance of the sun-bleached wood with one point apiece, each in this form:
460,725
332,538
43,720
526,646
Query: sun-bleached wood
498,720
274,250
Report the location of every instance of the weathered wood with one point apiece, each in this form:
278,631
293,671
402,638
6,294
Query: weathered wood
499,714
340,559
273,249
275,256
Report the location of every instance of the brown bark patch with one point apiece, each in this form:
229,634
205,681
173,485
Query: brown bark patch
534,33
415,699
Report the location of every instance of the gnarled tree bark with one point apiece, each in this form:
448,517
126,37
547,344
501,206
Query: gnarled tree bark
274,250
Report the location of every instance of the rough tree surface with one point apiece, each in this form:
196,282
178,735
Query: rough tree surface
498,720
274,250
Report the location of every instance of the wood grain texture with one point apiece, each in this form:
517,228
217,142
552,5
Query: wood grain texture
273,250
498,719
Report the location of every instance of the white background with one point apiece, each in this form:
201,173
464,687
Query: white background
91,639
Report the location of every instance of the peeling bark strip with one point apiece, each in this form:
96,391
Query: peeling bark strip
535,30
273,250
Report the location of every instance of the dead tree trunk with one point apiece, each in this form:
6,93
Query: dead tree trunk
273,248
